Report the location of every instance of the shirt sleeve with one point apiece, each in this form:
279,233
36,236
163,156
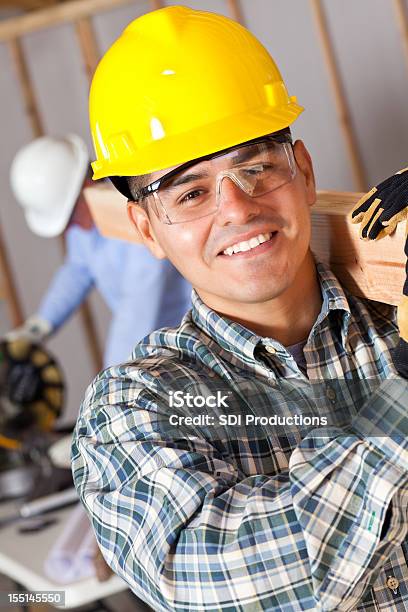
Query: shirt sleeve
69,286
142,304
188,530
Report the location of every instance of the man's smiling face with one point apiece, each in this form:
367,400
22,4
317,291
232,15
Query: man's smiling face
271,234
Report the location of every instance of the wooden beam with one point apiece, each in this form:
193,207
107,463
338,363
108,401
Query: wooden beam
34,118
156,4
9,291
370,269
340,97
402,20
109,212
15,27
235,11
88,45
27,5
27,90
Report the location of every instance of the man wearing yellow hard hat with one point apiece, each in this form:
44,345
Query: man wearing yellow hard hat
255,457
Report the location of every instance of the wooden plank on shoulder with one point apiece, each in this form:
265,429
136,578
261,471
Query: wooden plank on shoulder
109,211
369,269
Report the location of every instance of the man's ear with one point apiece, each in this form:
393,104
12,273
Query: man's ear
305,165
140,219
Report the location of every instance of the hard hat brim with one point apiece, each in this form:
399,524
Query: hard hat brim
178,149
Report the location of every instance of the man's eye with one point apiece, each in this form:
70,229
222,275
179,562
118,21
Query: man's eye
191,196
258,169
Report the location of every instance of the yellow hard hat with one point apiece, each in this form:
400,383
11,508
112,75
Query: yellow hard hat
179,84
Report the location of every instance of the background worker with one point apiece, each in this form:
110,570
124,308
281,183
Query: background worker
143,293
219,517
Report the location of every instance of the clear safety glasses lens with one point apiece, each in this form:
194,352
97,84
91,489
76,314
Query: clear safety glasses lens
196,192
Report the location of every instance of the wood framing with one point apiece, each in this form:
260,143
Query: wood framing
89,47
27,5
234,9
26,87
401,13
340,98
33,115
55,16
364,267
8,291
156,4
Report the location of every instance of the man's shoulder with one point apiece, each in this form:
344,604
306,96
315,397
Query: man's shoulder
363,310
168,346
379,314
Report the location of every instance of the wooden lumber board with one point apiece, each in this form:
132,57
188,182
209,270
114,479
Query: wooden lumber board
371,269
234,9
401,13
56,15
109,211
8,290
88,45
27,5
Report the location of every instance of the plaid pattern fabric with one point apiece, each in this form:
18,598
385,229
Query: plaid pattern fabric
211,516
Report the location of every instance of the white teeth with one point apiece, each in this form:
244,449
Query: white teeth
247,245
253,242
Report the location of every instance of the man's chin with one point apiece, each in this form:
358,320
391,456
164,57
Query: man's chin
247,293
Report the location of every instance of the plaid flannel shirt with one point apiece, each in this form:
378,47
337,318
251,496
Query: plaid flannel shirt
216,517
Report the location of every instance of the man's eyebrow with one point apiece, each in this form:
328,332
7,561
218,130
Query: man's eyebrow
245,154
240,156
186,178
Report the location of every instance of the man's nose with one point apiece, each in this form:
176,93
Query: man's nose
235,207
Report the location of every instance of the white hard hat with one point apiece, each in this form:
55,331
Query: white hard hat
46,178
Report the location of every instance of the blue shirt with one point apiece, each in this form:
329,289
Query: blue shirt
213,515
143,293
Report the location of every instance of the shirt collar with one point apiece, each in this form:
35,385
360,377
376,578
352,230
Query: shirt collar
334,299
231,336
236,338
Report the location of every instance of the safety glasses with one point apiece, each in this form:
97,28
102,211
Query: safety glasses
194,190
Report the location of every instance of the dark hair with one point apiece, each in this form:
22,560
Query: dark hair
136,183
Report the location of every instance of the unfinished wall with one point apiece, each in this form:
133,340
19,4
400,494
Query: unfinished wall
372,66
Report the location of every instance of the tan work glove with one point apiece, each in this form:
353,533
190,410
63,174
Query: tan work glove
34,330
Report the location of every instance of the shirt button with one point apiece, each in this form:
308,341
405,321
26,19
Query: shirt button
392,583
331,394
270,349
